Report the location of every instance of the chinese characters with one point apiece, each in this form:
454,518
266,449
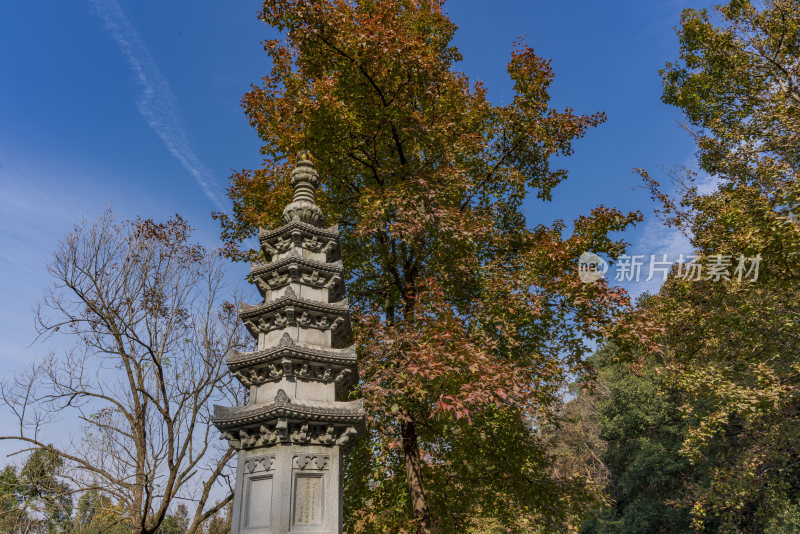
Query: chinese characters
641,268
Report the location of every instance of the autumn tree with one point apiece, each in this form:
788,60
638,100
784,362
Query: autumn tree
146,309
468,321
731,342
572,438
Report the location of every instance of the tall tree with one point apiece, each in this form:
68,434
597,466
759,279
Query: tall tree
638,420
96,513
34,499
469,322
145,307
730,341
11,510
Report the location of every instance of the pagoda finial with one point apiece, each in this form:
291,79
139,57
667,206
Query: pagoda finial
304,179
305,155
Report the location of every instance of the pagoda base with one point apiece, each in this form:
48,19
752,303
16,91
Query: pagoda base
288,489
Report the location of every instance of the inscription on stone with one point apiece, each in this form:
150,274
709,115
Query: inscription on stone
308,500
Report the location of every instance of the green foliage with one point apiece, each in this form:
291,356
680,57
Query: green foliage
643,430
12,512
96,513
731,345
33,499
784,511
176,522
511,488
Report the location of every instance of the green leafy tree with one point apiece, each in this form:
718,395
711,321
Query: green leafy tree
12,510
96,513
46,495
176,522
731,344
468,322
34,499
639,421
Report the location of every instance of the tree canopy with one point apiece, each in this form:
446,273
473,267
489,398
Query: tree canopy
731,344
468,321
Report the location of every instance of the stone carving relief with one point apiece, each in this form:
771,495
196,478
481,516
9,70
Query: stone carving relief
260,374
257,464
308,319
311,461
297,433
302,435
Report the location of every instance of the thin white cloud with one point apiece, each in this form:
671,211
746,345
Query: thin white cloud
658,239
658,243
707,184
156,102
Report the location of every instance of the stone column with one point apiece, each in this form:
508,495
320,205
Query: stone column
293,433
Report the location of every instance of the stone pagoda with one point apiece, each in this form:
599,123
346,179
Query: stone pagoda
292,434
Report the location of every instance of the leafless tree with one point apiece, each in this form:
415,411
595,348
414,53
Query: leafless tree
146,309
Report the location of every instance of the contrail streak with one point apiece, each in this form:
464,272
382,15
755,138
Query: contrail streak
156,102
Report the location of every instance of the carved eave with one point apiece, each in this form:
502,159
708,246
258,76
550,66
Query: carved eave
287,422
293,268
291,310
344,378
282,431
332,232
288,349
339,413
338,366
289,298
300,234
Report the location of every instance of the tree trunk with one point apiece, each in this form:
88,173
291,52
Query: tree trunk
416,486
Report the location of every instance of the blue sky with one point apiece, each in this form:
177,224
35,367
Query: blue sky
136,105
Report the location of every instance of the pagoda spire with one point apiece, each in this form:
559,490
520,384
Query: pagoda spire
304,180
292,435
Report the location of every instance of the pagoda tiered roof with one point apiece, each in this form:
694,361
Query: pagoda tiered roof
260,268
291,310
289,359
295,268
332,232
349,412
287,349
247,311
297,232
302,284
